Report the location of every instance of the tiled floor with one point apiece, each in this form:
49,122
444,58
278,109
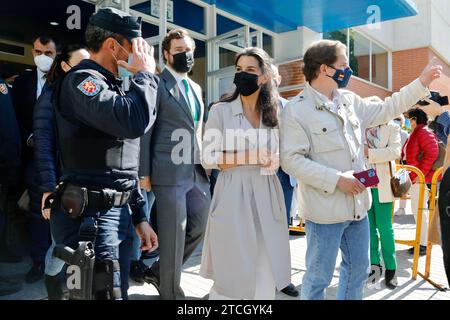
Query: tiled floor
196,287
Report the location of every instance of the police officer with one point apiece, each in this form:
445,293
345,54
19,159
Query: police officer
10,148
99,127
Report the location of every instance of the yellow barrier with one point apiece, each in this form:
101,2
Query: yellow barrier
299,228
416,242
432,209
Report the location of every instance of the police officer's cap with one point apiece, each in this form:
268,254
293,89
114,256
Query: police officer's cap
117,21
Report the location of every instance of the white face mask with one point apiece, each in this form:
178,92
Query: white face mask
43,62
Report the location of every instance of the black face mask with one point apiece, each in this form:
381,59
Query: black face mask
246,83
183,62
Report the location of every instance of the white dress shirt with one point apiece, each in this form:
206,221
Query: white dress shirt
42,78
331,105
179,79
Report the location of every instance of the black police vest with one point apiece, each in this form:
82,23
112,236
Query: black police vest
90,153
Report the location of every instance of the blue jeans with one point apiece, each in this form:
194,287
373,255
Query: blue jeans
113,241
136,249
53,266
323,243
288,191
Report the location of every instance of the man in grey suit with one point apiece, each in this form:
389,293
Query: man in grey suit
181,189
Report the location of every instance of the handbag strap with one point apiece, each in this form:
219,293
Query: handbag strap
390,169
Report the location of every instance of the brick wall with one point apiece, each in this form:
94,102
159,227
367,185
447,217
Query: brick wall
408,65
290,94
365,89
292,73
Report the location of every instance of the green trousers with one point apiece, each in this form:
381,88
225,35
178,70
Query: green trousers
381,231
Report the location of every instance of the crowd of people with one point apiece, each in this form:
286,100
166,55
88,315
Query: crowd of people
88,158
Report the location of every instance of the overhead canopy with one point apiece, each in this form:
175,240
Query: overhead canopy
318,15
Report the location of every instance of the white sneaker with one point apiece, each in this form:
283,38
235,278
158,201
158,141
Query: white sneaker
400,212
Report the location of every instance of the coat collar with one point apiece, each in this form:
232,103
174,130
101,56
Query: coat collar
93,65
321,101
238,111
418,128
236,106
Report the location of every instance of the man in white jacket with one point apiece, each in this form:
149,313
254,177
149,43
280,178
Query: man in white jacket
322,146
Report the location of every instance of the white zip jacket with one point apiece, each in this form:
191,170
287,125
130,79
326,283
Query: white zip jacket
318,145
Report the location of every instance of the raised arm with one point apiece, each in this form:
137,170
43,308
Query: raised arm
373,114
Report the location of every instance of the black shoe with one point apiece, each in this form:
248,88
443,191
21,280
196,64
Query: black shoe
390,280
54,288
150,255
290,290
8,287
137,271
8,257
151,278
296,233
36,273
422,250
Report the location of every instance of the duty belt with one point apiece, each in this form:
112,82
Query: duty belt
108,198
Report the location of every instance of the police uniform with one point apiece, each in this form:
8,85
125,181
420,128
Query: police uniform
99,127
10,146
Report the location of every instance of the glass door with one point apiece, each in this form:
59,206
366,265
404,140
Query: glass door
221,52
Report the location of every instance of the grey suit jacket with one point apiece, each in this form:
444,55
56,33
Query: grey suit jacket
174,120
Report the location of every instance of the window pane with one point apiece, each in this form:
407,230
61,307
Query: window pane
194,21
149,30
254,41
268,44
198,73
360,55
339,35
379,65
224,25
226,57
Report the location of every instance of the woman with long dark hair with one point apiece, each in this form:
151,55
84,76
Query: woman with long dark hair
246,251
46,151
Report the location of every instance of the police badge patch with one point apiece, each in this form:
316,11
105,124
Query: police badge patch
89,87
3,88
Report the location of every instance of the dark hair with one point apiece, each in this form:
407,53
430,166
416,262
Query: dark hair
320,52
44,39
56,71
267,102
95,37
174,34
419,115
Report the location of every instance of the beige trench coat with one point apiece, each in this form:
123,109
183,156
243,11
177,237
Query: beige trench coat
389,149
242,197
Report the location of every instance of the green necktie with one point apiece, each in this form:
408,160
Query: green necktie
192,102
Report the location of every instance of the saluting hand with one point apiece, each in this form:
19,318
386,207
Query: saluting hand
143,57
